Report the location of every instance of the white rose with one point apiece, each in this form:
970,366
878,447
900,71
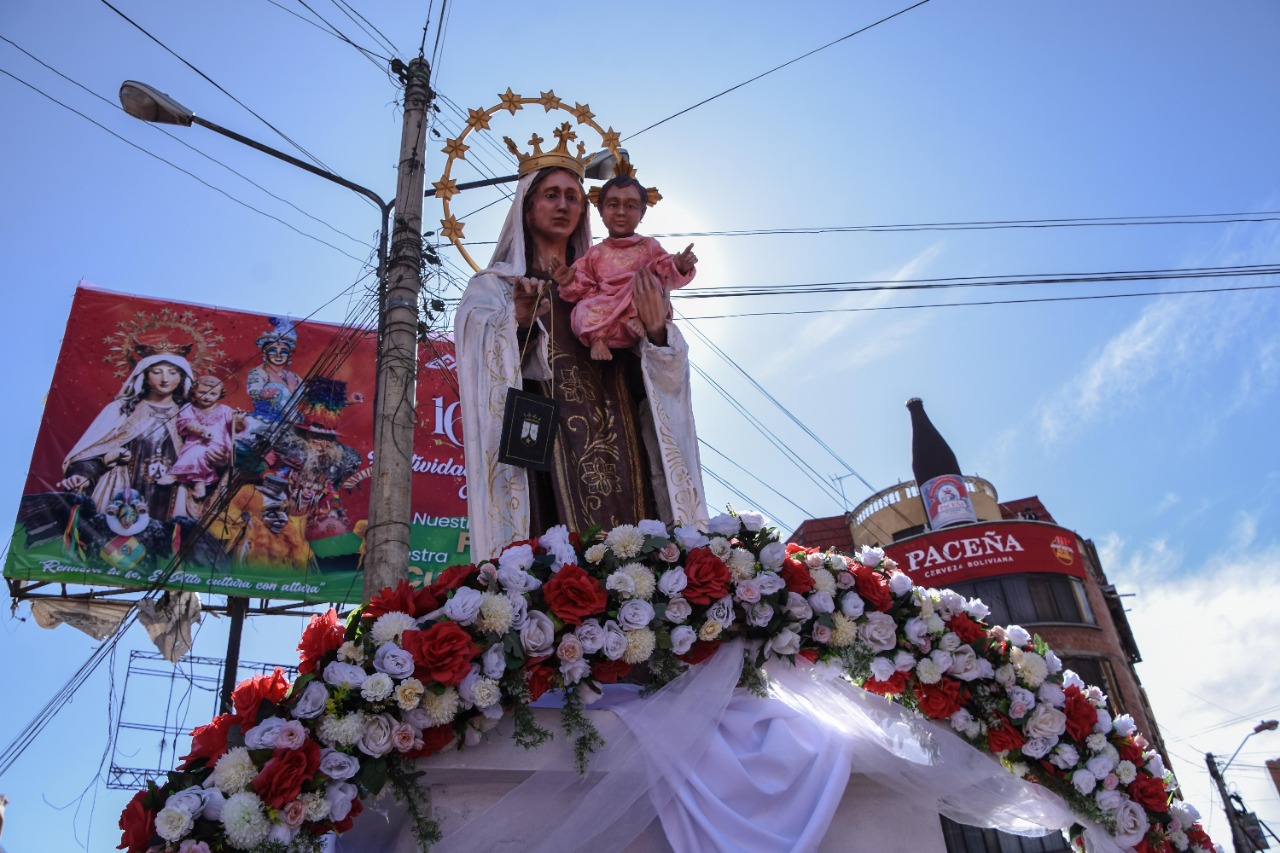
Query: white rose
682,639
190,800
339,796
1084,781
537,635
173,824
797,608
678,610
785,642
1053,661
748,591
821,633
652,527
394,661
672,582
494,661
721,611
723,525
376,740
377,687
464,606
1108,800
338,765
1065,756
951,601
753,522
976,609
869,556
1018,635
1131,823
516,579
772,555
770,582
689,537
615,642
915,631
1038,747
596,552
821,602
1005,676
949,641
965,664
760,614
904,661
1051,692
519,557
574,670
1124,725
1045,721
942,658
882,669
341,674
590,635
311,702
635,614
1103,725
900,584
879,631
519,609
263,735
852,605
1154,764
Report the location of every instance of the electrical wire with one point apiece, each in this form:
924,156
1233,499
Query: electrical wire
377,34
217,86
381,63
150,153
778,68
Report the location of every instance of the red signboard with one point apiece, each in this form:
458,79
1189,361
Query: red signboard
982,550
241,440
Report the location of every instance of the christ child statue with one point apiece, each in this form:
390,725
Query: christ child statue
206,427
604,316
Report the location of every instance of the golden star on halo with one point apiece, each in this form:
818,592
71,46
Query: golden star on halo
549,100
610,139
582,113
452,228
456,148
446,190
510,101
478,119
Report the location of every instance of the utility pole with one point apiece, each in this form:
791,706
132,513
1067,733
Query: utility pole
387,540
1238,838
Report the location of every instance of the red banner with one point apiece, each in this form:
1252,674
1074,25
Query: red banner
982,550
243,441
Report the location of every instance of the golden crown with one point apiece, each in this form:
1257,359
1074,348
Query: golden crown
625,169
559,157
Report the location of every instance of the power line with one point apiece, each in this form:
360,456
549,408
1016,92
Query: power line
179,168
778,68
988,302
354,13
215,84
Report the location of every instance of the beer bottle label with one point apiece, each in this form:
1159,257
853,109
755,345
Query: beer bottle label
946,501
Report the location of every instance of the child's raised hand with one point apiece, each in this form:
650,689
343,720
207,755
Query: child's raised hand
561,272
686,260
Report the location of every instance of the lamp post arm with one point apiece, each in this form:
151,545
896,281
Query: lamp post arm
294,161
1237,752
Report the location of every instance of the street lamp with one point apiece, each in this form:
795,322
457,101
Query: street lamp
1235,816
1264,726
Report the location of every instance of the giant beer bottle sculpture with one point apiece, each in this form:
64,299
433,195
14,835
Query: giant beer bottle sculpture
942,489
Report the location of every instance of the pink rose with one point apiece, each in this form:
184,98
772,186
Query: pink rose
293,814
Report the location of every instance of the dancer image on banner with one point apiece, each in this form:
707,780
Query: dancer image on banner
604,317
624,448
207,428
272,385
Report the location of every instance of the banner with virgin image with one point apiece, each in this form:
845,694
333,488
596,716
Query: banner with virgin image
241,442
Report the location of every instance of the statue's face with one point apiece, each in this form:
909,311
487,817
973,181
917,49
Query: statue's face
277,354
622,210
207,393
163,379
556,208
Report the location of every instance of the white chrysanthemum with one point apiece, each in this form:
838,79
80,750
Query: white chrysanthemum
247,825
928,671
596,553
620,583
742,563
390,627
1126,771
640,645
485,692
496,613
317,805
625,541
441,708
351,652
173,824
234,772
341,731
843,630
409,694
642,577
823,581
1032,669
720,547
377,687
709,630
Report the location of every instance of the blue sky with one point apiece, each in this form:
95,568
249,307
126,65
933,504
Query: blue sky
1147,424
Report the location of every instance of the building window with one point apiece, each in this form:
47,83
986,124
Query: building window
971,839
1031,598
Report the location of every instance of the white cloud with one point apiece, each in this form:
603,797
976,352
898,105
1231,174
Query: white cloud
1208,633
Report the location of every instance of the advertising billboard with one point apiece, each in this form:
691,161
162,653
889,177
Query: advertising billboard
983,550
240,441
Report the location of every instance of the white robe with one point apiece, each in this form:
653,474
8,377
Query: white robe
489,363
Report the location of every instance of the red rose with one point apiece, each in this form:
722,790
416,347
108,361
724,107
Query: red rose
573,595
895,686
873,587
251,692
322,635
1159,845
1081,716
281,779
610,671
1197,836
449,580
138,825
941,700
700,651
1148,792
404,598
347,822
708,577
809,654
793,548
965,628
208,742
433,740
1130,751
1003,735
539,677
797,576
443,653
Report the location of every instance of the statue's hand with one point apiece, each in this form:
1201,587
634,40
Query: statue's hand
653,304
74,483
528,306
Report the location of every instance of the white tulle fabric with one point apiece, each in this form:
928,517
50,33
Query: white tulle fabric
725,770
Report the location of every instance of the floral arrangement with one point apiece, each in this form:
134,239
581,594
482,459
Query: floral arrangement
415,671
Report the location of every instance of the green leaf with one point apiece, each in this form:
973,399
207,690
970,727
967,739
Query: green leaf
373,775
